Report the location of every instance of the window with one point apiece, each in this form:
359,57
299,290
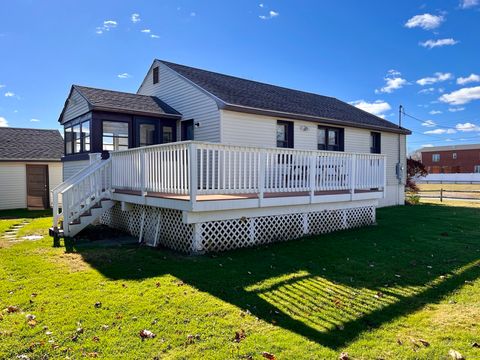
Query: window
77,145
147,134
285,134
68,141
375,147
167,134
476,169
187,130
329,138
435,157
155,75
454,156
115,135
86,136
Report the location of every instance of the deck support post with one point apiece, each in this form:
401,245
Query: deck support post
261,176
193,181
142,226
353,176
197,246
306,229
157,228
251,230
313,176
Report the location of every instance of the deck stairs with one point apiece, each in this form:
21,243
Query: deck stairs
82,199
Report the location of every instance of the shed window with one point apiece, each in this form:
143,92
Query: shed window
86,136
285,134
155,75
435,157
77,145
375,147
329,138
115,135
167,134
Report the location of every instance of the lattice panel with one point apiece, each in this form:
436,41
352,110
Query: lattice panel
172,232
225,235
278,228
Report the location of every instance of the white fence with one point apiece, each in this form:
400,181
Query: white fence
465,178
198,168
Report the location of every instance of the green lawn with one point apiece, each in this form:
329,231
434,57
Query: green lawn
373,292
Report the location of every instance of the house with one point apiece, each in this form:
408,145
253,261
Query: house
29,167
451,159
200,161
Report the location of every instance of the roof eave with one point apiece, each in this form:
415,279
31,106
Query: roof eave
134,112
257,111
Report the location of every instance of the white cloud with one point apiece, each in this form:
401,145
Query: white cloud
193,14
468,79
457,109
2,86
271,15
438,43
440,131
467,127
434,79
34,120
135,18
427,90
429,123
462,96
261,5
425,21
153,36
393,81
434,112
378,107
146,31
427,145
448,140
3,122
124,75
9,94
465,4
107,26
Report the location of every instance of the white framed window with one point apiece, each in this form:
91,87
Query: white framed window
435,157
454,156
476,169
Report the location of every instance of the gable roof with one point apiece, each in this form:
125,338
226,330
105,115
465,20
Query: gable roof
30,144
450,147
117,101
233,93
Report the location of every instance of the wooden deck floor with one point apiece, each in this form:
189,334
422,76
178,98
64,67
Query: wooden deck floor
217,197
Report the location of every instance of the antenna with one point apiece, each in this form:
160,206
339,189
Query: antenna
400,111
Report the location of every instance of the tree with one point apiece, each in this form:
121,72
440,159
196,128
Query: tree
415,169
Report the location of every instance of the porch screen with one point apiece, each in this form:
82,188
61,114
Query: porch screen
115,135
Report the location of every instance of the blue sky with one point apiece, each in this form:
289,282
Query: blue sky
374,54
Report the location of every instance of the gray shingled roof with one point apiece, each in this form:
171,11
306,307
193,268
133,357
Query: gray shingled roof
236,93
30,144
122,101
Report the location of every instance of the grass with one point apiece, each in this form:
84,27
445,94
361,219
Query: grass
373,292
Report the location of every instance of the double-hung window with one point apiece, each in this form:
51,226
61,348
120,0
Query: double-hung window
375,143
285,134
329,138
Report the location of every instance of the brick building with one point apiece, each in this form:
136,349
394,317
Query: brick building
451,159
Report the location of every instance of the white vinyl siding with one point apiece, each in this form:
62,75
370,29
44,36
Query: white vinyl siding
258,130
76,106
187,99
13,182
70,168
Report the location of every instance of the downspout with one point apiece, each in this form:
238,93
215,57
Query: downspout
399,165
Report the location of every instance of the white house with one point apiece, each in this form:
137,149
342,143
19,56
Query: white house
29,167
200,161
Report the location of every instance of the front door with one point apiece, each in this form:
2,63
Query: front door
37,187
147,133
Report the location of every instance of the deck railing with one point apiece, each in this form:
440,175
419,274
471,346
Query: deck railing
197,168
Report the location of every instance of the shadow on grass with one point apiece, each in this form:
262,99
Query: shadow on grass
329,288
24,214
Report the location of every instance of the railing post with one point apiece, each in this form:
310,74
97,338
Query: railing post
262,175
193,188
313,176
143,170
66,213
353,176
384,161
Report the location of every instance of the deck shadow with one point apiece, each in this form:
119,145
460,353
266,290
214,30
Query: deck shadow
331,288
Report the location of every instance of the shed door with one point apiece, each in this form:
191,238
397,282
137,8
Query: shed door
37,186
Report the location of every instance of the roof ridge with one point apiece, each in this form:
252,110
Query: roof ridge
21,128
115,91
250,80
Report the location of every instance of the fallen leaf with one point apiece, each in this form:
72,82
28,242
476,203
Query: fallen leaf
30,317
476,345
399,342
13,309
239,336
268,356
344,356
32,323
96,339
379,295
147,334
455,355
98,304
424,342
79,330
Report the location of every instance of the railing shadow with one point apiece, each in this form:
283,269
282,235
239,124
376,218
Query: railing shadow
331,288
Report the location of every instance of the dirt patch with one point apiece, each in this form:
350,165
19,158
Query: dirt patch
74,262
456,315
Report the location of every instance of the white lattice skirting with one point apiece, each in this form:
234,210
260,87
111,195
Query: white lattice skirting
166,227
